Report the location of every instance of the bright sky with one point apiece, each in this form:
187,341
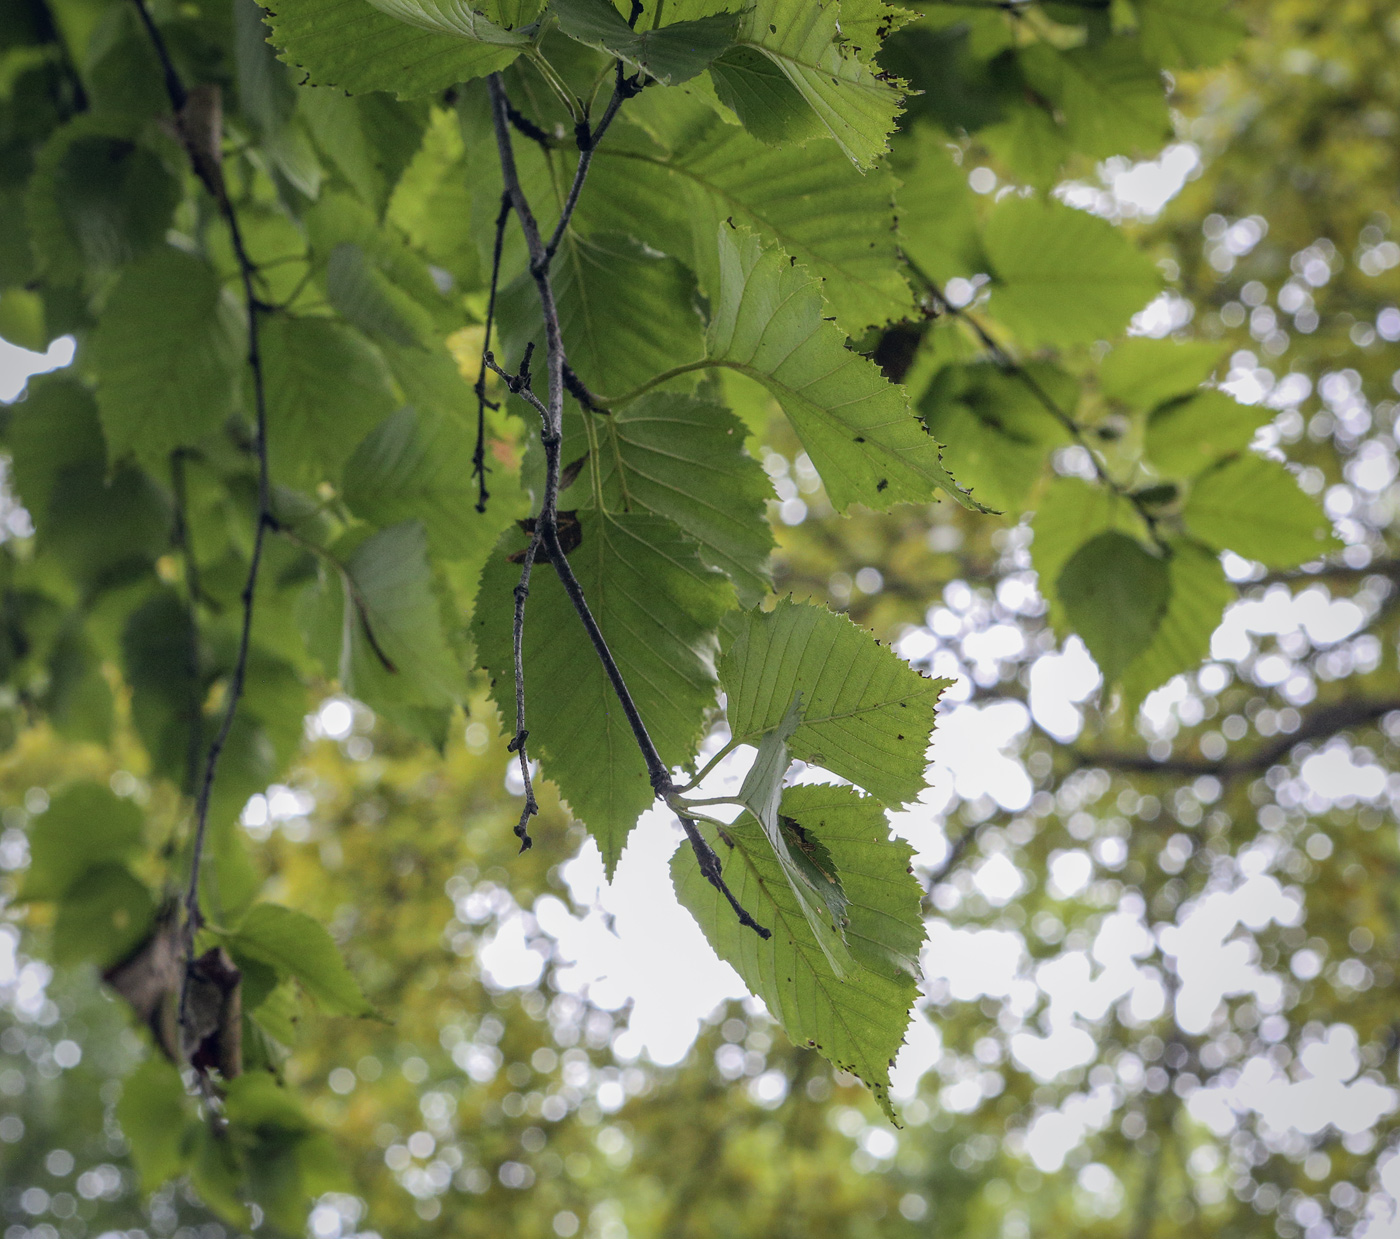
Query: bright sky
631,942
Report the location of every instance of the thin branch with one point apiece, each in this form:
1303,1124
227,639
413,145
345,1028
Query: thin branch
183,543
247,270
588,140
1317,724
482,403
546,530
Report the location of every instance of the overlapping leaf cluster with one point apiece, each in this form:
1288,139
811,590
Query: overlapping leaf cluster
773,206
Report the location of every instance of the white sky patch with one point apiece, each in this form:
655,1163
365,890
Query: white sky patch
1138,190
1057,683
969,757
17,364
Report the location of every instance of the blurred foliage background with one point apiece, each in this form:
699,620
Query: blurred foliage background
1197,909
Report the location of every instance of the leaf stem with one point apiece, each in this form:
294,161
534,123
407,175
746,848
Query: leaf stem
482,403
709,766
705,363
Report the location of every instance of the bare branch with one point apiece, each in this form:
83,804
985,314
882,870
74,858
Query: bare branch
1324,721
482,403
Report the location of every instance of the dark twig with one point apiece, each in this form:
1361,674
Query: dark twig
183,543
482,403
546,532
588,140
247,271
1317,724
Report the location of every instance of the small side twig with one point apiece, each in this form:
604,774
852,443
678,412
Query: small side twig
482,403
180,538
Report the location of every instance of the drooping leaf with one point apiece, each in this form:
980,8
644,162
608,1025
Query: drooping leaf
802,39
818,893
1254,507
55,428
1070,513
417,465
858,1024
858,429
997,430
683,459
326,387
866,714
1111,99
416,48
298,946
658,607
1114,593
103,917
1143,372
153,1117
1189,435
368,298
937,220
673,192
84,826
368,140
1188,34
166,354
671,54
1200,593
377,623
1061,276
432,198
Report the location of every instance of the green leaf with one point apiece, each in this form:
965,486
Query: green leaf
866,714
671,54
1253,506
22,319
682,458
998,432
1114,594
97,199
298,946
936,208
1188,34
844,90
79,701
615,343
1189,435
368,140
432,198
367,297
84,826
858,429
658,607
167,685
1111,99
1071,513
858,1024
818,891
673,193
380,624
412,49
1200,593
103,917
1061,276
53,429
167,354
327,386
417,465
154,1120
1143,372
